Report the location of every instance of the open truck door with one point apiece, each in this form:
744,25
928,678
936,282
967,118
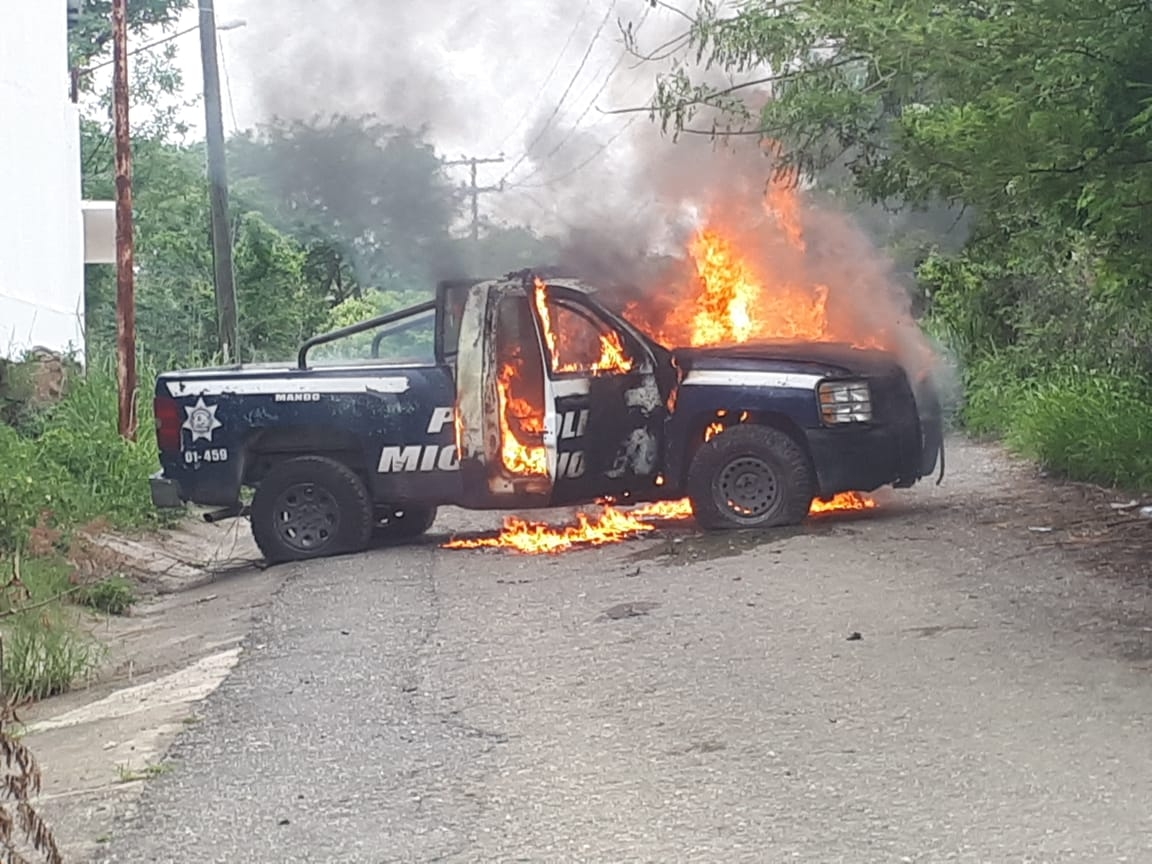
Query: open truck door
505,409
609,394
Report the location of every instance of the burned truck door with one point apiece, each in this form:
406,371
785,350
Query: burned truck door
607,400
505,408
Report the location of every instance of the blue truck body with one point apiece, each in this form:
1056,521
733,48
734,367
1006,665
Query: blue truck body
413,417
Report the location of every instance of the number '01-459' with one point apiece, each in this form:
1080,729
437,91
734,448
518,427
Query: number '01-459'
215,454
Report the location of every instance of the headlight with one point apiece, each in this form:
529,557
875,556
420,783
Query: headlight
845,402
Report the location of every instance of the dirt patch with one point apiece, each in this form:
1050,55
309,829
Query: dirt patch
1079,519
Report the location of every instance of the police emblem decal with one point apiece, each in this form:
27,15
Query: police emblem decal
201,421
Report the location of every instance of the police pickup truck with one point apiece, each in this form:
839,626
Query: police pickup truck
525,392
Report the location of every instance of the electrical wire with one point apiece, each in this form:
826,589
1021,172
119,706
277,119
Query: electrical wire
227,83
576,126
564,95
548,78
576,169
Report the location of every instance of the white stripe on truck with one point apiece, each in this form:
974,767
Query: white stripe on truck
741,378
274,386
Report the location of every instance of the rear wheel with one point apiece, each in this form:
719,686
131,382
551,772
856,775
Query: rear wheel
750,477
311,507
403,523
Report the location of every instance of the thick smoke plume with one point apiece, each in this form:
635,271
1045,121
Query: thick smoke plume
624,198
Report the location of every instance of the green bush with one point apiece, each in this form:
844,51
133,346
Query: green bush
28,487
1088,426
78,468
1083,424
113,596
109,476
44,653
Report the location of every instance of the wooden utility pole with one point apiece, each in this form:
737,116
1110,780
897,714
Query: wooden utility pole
218,188
474,191
125,284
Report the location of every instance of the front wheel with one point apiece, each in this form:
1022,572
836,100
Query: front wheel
750,477
311,507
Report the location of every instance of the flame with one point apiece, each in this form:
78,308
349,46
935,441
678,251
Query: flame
613,525
729,296
732,296
681,509
843,501
540,297
613,357
732,303
610,526
517,413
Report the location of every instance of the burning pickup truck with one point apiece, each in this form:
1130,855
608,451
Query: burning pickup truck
528,392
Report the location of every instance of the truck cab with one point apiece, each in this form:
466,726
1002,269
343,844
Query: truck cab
526,392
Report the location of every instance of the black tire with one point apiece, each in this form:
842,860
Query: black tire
403,523
750,476
311,507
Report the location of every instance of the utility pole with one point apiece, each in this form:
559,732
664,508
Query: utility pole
474,191
218,187
125,284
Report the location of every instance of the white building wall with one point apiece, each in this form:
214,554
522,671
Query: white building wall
41,226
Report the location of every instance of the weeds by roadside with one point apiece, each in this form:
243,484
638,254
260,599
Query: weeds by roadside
127,774
44,649
1081,423
66,473
73,467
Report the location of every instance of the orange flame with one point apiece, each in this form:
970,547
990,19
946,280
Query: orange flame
613,357
681,509
732,303
538,537
843,501
540,297
516,413
732,296
613,525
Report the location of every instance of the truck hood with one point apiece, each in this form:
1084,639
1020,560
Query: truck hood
822,358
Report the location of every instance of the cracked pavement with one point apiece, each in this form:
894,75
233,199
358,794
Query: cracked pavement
686,698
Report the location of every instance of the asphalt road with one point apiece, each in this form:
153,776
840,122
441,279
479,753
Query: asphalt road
687,699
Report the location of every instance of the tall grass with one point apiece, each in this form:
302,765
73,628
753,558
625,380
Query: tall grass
1082,423
77,468
65,467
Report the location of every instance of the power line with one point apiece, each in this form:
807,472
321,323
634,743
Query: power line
581,166
576,126
227,83
564,95
548,78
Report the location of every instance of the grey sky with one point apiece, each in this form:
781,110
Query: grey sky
477,74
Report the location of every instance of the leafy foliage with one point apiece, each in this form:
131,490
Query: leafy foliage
1036,115
113,595
91,37
78,468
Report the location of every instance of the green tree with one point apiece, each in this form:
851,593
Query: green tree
90,39
1004,106
1036,115
276,308
369,201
